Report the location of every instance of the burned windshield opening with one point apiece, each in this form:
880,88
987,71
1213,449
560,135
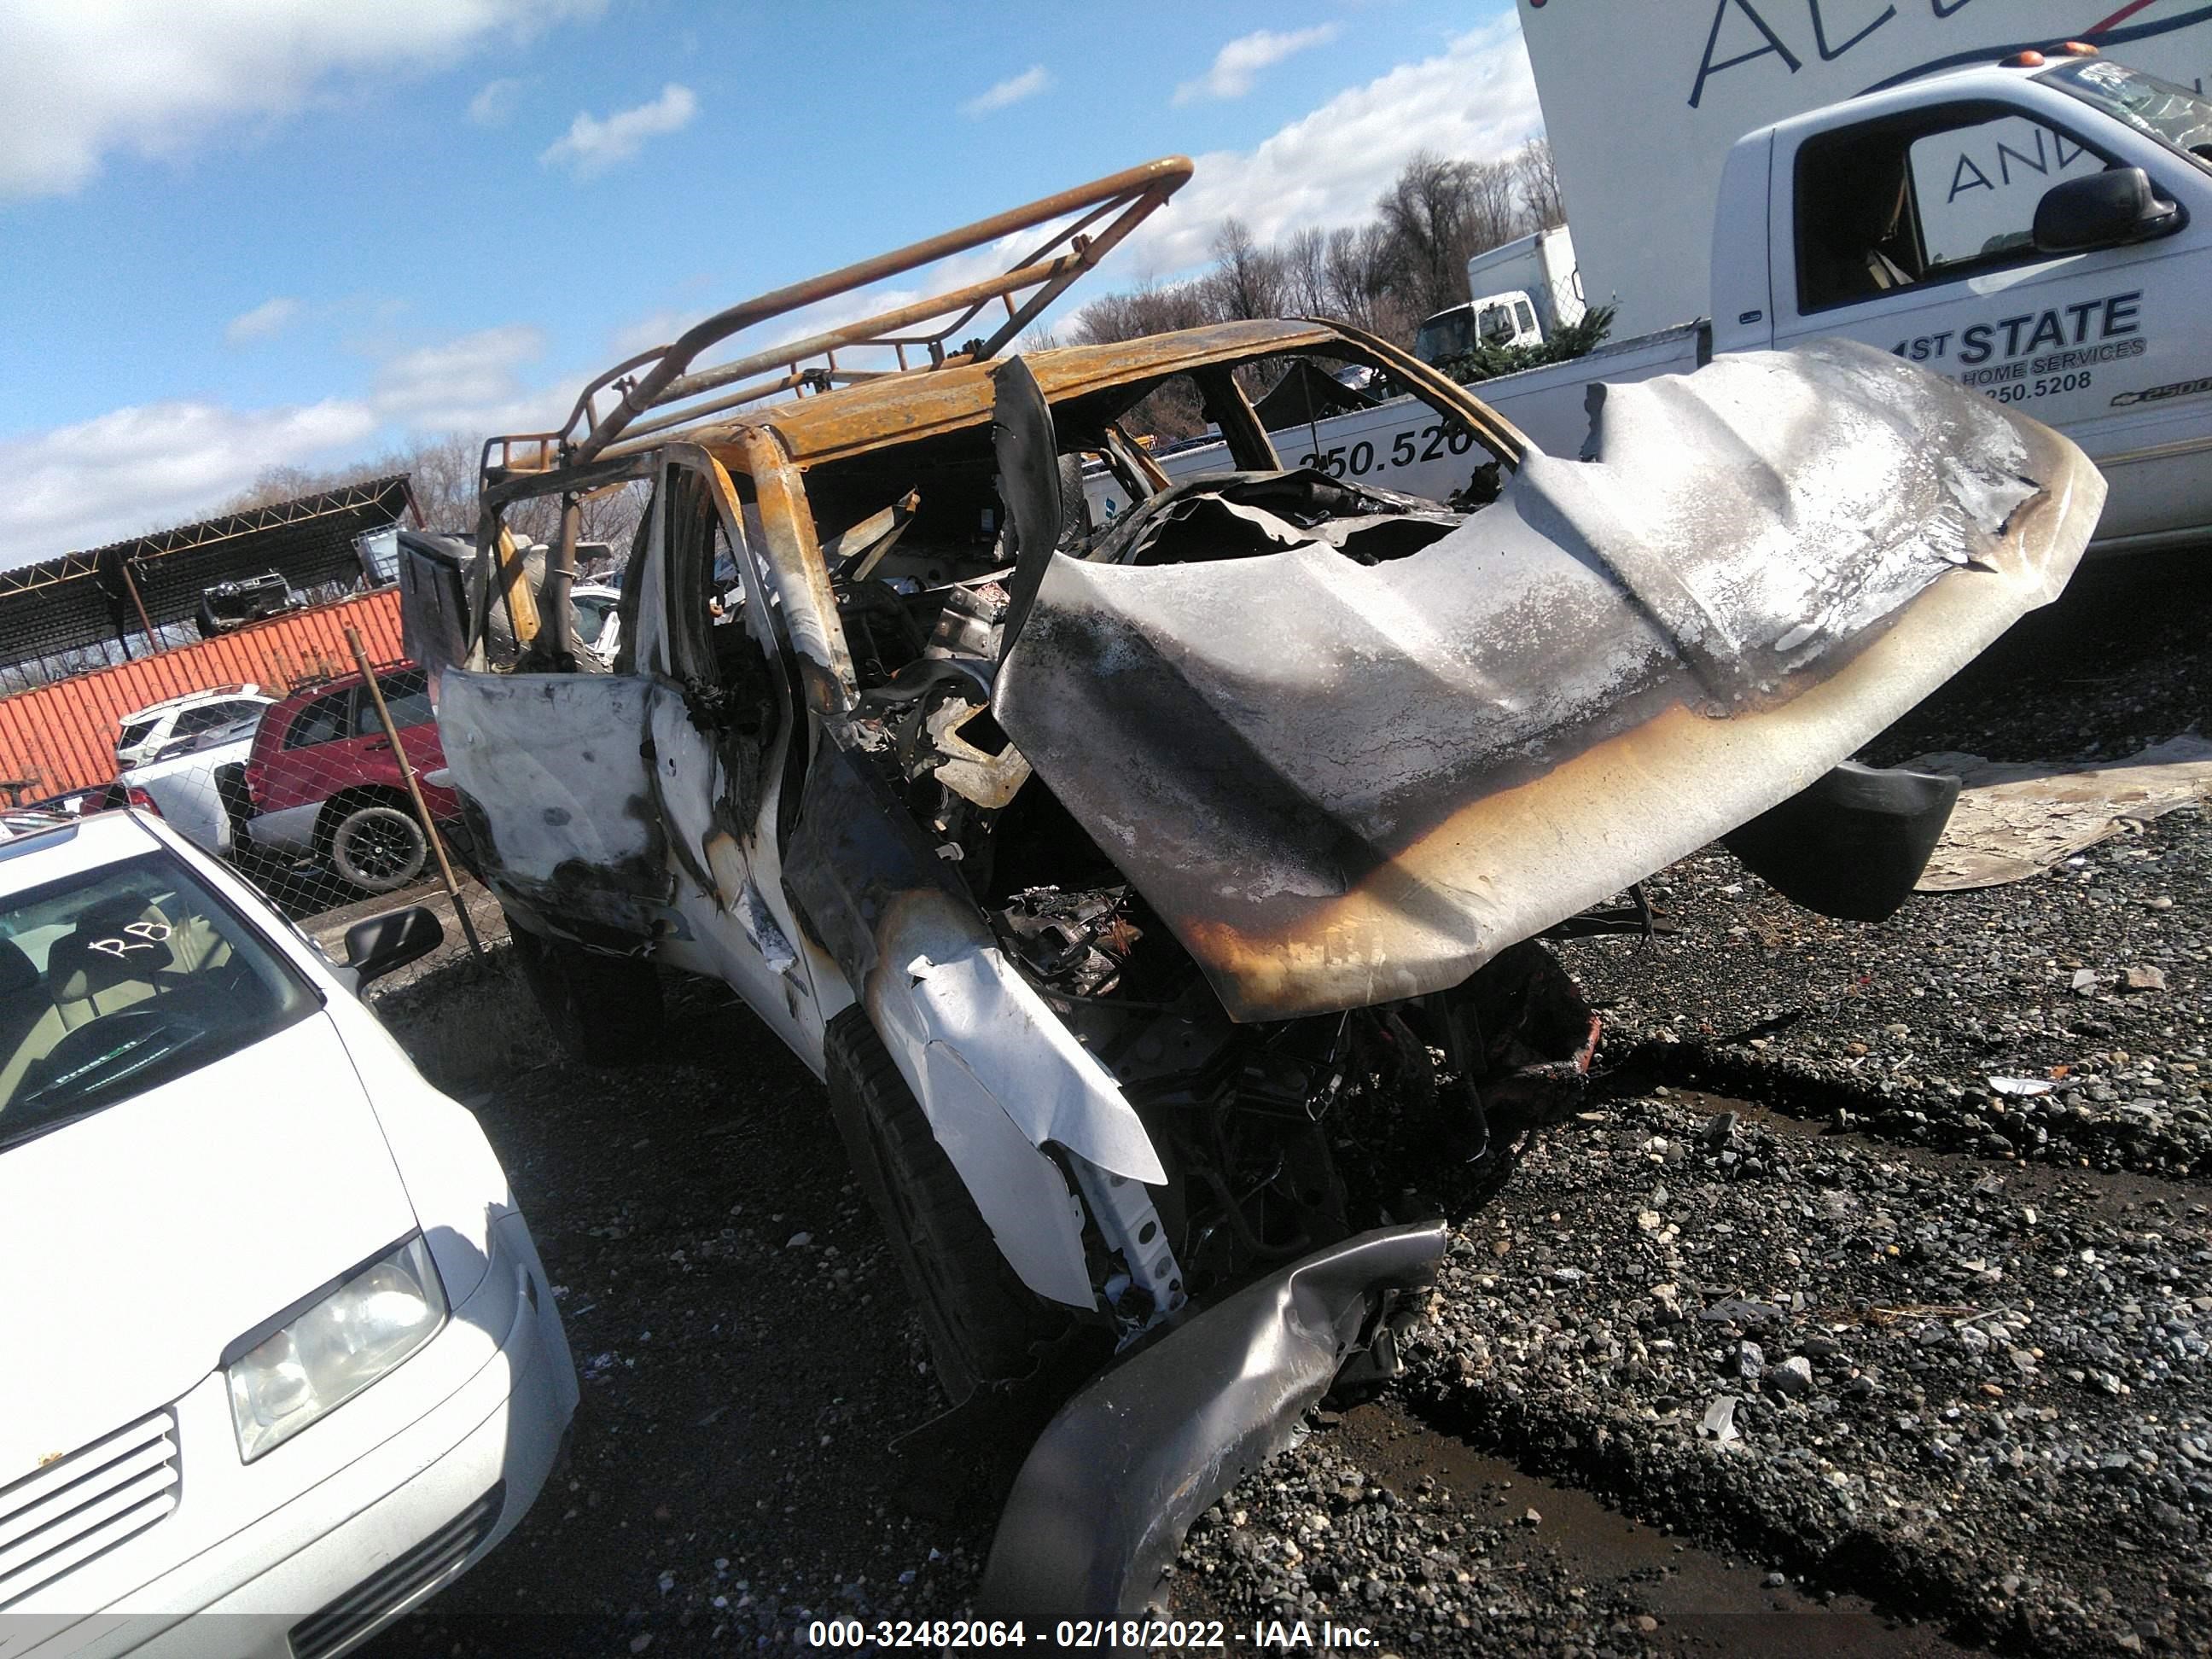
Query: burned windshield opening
920,549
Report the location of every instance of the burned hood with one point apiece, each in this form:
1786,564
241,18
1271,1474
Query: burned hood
1342,783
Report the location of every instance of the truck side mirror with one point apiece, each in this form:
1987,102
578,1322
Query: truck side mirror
2103,209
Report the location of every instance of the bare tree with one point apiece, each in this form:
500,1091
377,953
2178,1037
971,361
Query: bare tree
443,472
1538,177
1174,410
1356,272
1426,214
1303,261
1153,308
1490,209
1246,280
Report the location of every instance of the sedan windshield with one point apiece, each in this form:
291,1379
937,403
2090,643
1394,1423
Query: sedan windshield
2173,115
119,978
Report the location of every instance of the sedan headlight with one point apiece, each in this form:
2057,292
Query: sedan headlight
330,1352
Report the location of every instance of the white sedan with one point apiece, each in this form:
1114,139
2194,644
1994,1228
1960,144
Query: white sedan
278,1346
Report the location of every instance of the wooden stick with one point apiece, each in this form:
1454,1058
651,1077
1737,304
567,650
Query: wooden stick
413,790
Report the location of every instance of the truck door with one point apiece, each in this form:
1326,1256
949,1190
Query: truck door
720,719
553,784
1915,232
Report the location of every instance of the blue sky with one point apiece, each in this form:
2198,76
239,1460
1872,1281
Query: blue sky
246,233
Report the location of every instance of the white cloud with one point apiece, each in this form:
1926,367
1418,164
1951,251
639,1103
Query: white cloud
83,79
1477,99
1237,63
264,322
591,146
1034,79
655,328
168,463
125,471
470,383
495,105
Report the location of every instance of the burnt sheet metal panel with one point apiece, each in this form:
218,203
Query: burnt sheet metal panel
1106,1495
552,775
997,1074
1343,784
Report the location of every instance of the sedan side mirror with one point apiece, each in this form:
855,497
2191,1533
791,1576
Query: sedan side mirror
375,946
2103,209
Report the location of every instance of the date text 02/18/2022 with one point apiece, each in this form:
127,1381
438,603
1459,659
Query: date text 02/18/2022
1079,1635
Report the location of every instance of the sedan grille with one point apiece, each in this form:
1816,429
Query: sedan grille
429,1564
86,1502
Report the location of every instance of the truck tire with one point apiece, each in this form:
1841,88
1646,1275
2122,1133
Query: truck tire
376,846
984,1326
604,1010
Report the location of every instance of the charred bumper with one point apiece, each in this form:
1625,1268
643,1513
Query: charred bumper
1109,1489
1853,844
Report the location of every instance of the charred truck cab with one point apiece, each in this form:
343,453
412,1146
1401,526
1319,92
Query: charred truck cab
1117,877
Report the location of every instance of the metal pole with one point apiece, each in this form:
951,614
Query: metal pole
145,621
413,789
554,616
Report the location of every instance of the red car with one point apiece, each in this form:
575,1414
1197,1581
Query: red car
322,783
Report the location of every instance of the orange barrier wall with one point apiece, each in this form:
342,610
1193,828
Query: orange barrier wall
62,737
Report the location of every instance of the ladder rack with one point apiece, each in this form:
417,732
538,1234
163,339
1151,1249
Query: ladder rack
1106,210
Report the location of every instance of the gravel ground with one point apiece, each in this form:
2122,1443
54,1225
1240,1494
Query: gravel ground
1871,1363
1982,1392
1899,1027
747,1362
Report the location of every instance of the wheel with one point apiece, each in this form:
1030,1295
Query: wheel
604,1010
984,1326
378,848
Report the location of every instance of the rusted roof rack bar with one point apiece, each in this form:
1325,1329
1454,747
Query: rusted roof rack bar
1107,209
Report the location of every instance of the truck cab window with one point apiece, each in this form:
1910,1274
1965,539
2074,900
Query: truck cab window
1977,186
1886,206
1854,238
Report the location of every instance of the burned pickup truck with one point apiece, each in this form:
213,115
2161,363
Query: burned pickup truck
1118,877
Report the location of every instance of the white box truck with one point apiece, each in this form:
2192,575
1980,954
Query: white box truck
1524,291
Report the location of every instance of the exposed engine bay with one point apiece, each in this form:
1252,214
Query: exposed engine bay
1244,1114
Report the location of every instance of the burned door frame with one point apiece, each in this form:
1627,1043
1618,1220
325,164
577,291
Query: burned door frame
720,748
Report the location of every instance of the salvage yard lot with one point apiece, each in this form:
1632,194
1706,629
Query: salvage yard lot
1884,1332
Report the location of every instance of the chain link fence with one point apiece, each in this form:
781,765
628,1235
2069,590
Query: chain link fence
306,792
293,777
